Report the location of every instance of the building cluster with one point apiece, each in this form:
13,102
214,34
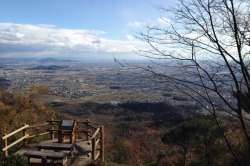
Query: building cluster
67,92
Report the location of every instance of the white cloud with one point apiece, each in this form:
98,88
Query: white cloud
129,37
136,24
163,20
41,40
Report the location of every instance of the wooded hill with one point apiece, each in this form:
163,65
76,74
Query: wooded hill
17,109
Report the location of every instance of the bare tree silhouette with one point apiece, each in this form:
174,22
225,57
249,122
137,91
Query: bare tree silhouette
203,51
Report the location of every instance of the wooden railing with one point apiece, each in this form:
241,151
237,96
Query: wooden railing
6,136
82,127
97,139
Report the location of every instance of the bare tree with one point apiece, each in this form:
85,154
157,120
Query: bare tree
203,51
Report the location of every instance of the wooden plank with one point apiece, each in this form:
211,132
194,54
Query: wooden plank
47,155
14,132
56,146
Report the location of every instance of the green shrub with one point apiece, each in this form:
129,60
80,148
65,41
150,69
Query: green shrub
15,160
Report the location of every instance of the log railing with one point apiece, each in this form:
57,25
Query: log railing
53,126
97,141
6,136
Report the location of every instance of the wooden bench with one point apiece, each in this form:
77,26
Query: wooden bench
44,156
57,147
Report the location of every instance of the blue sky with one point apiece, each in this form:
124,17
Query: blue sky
74,28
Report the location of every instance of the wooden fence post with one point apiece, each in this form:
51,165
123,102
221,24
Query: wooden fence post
88,130
5,145
102,142
24,133
93,148
52,135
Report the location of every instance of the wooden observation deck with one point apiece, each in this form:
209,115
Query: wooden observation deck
61,142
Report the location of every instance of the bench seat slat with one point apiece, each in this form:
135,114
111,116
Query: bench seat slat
47,155
56,146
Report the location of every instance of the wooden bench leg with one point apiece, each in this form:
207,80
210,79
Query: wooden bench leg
60,137
44,161
29,161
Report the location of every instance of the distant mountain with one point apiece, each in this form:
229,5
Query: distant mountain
54,60
51,67
45,60
16,60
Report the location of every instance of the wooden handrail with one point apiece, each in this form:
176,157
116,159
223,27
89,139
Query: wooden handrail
14,132
14,143
85,122
93,127
45,133
58,121
95,134
97,142
85,131
97,138
97,155
52,129
54,121
38,125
